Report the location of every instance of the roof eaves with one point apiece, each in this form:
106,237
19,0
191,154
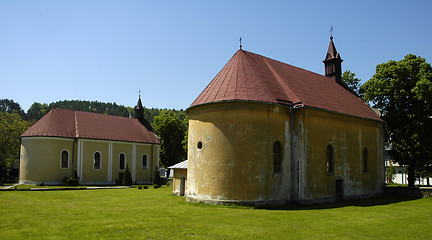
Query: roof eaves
344,114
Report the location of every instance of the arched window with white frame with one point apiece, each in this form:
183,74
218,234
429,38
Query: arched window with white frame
144,162
122,161
97,160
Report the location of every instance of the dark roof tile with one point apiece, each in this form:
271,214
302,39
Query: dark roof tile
76,124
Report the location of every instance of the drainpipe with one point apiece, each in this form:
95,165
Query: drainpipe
292,152
151,164
73,156
19,159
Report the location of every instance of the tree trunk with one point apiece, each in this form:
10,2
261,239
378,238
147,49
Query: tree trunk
411,176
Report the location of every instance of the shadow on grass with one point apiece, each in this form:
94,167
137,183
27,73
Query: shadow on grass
390,196
367,202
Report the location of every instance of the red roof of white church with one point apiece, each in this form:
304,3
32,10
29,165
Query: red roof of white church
251,77
76,124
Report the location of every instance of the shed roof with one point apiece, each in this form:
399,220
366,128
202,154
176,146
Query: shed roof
180,165
76,124
251,77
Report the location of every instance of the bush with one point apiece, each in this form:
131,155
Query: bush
156,178
427,193
145,187
127,179
73,181
155,186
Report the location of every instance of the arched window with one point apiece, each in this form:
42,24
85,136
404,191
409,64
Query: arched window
64,159
277,157
122,161
97,160
329,161
144,162
365,160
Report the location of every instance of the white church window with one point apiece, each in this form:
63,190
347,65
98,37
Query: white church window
122,161
64,159
97,160
144,162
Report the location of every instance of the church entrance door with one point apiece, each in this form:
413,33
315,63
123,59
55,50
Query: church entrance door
182,186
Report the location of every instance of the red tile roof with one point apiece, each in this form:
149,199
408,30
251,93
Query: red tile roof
76,124
251,77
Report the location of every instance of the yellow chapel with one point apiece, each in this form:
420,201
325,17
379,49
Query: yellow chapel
265,132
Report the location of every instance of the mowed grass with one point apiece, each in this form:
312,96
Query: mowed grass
157,214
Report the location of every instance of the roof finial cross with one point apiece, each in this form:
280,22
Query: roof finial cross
240,44
139,93
331,31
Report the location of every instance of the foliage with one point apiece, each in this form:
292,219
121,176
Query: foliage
73,181
125,178
171,130
156,214
402,91
424,172
185,139
390,173
156,178
352,82
8,105
38,110
11,127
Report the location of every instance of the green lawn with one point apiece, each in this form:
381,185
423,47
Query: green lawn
156,214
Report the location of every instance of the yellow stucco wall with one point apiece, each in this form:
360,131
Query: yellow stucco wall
41,159
146,175
348,136
40,156
235,161
178,175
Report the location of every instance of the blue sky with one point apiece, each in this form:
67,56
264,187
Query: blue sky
170,50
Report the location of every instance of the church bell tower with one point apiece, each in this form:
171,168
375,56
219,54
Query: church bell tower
333,63
139,114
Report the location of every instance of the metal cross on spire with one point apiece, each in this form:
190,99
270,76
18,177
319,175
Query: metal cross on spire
331,31
139,93
240,44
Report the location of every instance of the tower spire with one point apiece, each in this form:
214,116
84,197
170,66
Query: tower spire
333,61
139,114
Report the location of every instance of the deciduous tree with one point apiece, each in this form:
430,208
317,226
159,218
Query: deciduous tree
171,131
11,127
352,82
402,91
